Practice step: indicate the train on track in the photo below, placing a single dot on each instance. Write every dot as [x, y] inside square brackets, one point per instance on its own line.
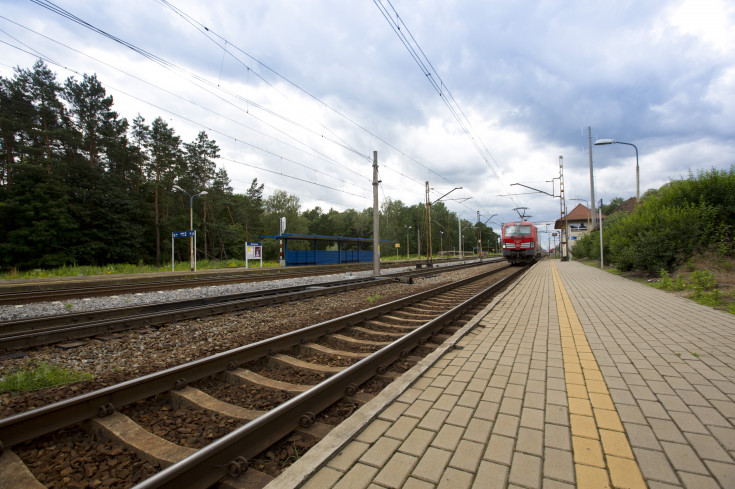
[520, 242]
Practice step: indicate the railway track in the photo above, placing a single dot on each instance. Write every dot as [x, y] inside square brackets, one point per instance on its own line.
[347, 352]
[73, 288]
[39, 331]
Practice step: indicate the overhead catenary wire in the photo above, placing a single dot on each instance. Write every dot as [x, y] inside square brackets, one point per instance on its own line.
[200, 80]
[400, 28]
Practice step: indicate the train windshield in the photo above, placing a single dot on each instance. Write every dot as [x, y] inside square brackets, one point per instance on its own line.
[514, 230]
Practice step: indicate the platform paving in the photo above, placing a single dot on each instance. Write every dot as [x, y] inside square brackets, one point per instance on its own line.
[574, 377]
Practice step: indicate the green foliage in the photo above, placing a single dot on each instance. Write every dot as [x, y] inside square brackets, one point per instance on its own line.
[373, 298]
[81, 186]
[670, 224]
[700, 284]
[32, 378]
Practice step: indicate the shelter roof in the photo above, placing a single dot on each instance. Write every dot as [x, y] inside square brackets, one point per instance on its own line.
[318, 237]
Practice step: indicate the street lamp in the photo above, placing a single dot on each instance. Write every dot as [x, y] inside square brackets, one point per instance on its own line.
[441, 243]
[191, 221]
[601, 142]
[407, 229]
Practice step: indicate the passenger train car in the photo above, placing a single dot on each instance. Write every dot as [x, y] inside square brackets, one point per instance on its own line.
[520, 242]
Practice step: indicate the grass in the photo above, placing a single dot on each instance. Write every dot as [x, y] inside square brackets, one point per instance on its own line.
[31, 378]
[127, 268]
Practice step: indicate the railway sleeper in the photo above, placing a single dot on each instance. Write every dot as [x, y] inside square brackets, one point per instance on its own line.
[313, 348]
[338, 339]
[281, 360]
[120, 429]
[381, 326]
[372, 332]
[414, 315]
[244, 376]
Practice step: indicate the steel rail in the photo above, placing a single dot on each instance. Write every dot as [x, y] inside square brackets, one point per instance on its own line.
[228, 456]
[25, 426]
[46, 330]
[88, 287]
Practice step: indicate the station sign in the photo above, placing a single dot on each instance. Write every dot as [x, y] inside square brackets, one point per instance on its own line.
[253, 251]
[182, 234]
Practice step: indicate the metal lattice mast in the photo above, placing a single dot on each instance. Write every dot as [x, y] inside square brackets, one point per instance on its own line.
[563, 209]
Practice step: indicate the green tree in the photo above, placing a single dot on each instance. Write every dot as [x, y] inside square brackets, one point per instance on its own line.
[165, 152]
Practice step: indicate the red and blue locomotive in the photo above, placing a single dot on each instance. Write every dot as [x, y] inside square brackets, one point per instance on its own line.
[520, 242]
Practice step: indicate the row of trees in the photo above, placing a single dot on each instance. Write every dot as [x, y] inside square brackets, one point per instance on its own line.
[79, 184]
[671, 224]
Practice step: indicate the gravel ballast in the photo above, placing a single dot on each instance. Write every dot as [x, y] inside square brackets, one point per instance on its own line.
[139, 352]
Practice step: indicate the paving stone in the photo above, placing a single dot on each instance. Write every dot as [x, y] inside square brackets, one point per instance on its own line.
[666, 430]
[487, 410]
[373, 431]
[532, 418]
[591, 477]
[402, 428]
[654, 465]
[325, 477]
[688, 422]
[631, 414]
[448, 437]
[397, 470]
[710, 416]
[588, 452]
[556, 436]
[511, 406]
[467, 456]
[345, 458]
[491, 475]
[555, 484]
[470, 399]
[506, 424]
[360, 475]
[558, 464]
[653, 409]
[418, 409]
[624, 472]
[726, 436]
[723, 472]
[500, 449]
[413, 483]
[615, 443]
[478, 430]
[557, 415]
[707, 447]
[380, 452]
[673, 403]
[525, 470]
[433, 420]
[431, 466]
[696, 481]
[393, 411]
[683, 458]
[456, 479]
[417, 442]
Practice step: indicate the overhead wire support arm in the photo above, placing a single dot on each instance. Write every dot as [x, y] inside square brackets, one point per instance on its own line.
[537, 190]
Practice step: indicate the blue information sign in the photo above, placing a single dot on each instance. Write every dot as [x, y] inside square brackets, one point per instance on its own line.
[182, 234]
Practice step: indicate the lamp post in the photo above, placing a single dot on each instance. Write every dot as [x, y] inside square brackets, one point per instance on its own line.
[407, 253]
[441, 243]
[191, 221]
[601, 142]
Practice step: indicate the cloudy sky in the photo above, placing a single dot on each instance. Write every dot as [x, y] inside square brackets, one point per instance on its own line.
[299, 93]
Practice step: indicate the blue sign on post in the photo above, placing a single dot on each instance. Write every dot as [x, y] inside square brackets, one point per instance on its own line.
[183, 234]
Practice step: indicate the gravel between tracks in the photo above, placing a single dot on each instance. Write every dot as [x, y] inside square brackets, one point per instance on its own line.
[139, 352]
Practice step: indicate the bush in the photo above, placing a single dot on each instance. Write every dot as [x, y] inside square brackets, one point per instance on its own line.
[669, 225]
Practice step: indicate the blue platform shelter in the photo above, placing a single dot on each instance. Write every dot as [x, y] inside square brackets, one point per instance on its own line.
[349, 250]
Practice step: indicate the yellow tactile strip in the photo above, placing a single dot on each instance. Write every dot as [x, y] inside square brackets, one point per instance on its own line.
[602, 454]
